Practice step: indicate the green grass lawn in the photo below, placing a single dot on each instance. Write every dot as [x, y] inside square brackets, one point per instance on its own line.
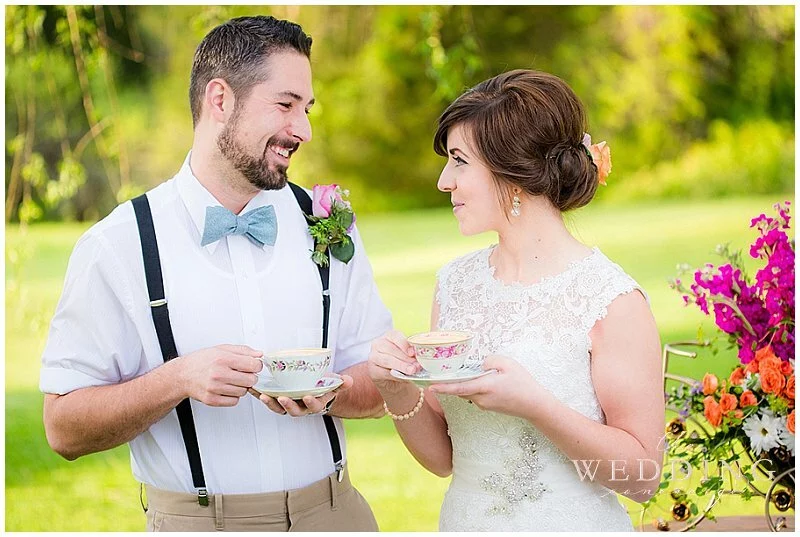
[97, 492]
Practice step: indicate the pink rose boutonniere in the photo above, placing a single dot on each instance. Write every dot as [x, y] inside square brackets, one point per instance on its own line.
[601, 157]
[330, 223]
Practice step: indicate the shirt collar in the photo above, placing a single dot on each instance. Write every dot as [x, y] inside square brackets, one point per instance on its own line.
[196, 198]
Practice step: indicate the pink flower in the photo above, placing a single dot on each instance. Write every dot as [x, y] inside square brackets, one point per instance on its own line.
[323, 198]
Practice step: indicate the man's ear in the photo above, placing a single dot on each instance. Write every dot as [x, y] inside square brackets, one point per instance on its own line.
[219, 100]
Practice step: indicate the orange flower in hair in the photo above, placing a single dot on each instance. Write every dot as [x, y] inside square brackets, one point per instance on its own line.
[600, 154]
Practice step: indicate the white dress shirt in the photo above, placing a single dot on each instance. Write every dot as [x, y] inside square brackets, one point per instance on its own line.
[228, 292]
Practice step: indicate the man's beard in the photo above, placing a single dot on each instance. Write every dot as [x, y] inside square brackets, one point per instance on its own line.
[256, 170]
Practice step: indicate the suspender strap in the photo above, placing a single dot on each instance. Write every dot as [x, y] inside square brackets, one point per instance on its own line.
[304, 201]
[158, 307]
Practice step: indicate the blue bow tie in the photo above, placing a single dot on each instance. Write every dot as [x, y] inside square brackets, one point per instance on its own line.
[258, 225]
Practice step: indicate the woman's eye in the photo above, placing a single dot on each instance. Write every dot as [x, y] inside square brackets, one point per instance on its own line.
[459, 160]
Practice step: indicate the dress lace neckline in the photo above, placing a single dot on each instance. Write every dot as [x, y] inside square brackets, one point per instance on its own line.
[543, 282]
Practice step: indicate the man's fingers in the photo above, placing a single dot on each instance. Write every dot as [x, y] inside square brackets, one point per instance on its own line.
[245, 364]
[347, 383]
[292, 408]
[243, 350]
[271, 403]
[315, 405]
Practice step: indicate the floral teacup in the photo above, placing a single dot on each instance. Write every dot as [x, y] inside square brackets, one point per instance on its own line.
[441, 353]
[297, 369]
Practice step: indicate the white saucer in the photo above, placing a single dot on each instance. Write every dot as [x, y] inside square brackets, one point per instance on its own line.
[424, 378]
[268, 386]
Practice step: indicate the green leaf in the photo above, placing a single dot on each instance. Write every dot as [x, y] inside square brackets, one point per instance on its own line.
[343, 251]
[319, 258]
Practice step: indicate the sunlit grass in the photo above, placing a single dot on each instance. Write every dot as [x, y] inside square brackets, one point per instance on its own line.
[97, 493]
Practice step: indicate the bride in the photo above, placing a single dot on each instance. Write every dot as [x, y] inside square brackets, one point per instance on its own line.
[574, 413]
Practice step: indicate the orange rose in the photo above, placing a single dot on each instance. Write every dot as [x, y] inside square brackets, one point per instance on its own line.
[727, 403]
[764, 352]
[737, 376]
[790, 422]
[751, 367]
[789, 392]
[712, 411]
[786, 368]
[770, 363]
[738, 414]
[772, 381]
[710, 384]
[747, 399]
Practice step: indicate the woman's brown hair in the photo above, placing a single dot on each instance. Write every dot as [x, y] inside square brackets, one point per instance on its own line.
[527, 126]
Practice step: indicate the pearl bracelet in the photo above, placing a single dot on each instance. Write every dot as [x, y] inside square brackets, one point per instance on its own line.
[410, 414]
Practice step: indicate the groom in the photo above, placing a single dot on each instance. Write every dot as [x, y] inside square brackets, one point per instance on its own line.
[117, 362]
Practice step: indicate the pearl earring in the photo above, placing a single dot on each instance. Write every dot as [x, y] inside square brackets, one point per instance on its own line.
[515, 206]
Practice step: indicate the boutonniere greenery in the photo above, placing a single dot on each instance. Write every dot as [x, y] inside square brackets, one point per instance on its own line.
[330, 224]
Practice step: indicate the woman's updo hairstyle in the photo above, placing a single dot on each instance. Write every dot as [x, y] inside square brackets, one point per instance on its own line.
[528, 127]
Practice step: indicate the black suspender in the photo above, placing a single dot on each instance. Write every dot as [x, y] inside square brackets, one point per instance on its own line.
[304, 201]
[158, 305]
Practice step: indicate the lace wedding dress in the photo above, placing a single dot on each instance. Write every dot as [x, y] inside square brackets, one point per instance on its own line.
[507, 476]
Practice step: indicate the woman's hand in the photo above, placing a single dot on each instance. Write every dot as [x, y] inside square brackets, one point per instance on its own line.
[512, 390]
[391, 351]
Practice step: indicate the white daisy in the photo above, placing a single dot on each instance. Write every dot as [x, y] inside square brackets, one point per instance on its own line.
[762, 429]
[785, 436]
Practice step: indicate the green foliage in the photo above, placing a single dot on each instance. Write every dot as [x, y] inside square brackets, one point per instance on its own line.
[681, 93]
[756, 157]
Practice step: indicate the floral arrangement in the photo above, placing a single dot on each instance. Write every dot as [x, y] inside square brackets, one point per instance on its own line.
[330, 224]
[752, 412]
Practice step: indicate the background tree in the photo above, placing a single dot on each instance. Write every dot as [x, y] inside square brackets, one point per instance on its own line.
[97, 98]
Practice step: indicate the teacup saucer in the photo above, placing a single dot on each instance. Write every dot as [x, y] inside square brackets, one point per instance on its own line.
[422, 377]
[268, 386]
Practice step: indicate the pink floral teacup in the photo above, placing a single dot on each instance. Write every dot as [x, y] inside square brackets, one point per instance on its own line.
[441, 353]
[297, 369]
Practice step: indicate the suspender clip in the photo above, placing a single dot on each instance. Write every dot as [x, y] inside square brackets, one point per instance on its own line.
[339, 471]
[157, 303]
[202, 497]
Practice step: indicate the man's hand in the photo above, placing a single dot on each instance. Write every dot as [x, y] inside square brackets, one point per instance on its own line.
[308, 405]
[219, 376]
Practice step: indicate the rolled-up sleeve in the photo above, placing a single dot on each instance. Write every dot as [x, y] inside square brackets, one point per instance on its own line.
[364, 317]
[92, 340]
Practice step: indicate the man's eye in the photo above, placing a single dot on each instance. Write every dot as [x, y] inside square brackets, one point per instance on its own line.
[287, 106]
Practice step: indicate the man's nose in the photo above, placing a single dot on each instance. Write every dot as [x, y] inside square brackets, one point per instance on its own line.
[300, 128]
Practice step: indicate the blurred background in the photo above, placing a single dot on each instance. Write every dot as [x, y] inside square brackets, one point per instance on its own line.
[696, 103]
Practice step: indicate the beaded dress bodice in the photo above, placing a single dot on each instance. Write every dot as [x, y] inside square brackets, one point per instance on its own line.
[507, 476]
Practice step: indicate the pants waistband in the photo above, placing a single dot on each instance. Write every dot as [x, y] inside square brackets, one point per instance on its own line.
[250, 505]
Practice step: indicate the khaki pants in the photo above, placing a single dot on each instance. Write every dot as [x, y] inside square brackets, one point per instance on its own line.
[326, 505]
